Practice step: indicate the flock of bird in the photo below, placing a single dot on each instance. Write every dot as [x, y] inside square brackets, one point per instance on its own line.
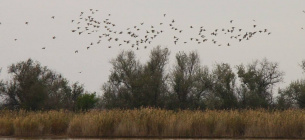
[143, 34]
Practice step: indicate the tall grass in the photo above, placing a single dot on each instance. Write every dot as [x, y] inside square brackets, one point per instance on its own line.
[149, 122]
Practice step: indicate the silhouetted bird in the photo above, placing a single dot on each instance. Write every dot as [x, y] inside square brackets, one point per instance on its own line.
[53, 17]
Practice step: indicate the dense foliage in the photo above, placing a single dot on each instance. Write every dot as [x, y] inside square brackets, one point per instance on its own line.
[186, 85]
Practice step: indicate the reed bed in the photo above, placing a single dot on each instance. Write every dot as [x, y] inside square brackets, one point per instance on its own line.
[148, 122]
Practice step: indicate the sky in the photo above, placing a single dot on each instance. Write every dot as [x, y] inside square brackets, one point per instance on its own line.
[283, 18]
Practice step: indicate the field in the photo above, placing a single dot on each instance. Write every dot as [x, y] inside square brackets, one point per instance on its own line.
[149, 122]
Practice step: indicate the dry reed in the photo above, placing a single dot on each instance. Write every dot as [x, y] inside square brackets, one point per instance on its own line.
[148, 122]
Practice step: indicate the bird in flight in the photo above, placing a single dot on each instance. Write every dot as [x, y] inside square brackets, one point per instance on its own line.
[53, 37]
[26, 23]
[43, 48]
[53, 17]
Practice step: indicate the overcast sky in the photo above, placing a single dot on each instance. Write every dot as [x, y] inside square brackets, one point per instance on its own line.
[283, 18]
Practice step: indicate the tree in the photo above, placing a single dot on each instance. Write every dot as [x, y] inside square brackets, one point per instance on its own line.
[133, 85]
[186, 78]
[123, 89]
[257, 81]
[293, 95]
[86, 101]
[35, 87]
[222, 88]
[155, 86]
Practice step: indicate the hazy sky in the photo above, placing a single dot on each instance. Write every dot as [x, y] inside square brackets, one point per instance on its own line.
[283, 18]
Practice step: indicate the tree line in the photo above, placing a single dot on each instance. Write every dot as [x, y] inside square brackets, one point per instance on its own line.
[185, 85]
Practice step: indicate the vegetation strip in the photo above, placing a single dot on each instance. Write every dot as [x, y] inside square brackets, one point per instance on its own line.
[148, 122]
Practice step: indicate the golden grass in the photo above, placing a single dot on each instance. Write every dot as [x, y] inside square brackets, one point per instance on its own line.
[148, 122]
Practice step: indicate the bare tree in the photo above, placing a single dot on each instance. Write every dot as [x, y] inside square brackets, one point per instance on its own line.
[257, 82]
